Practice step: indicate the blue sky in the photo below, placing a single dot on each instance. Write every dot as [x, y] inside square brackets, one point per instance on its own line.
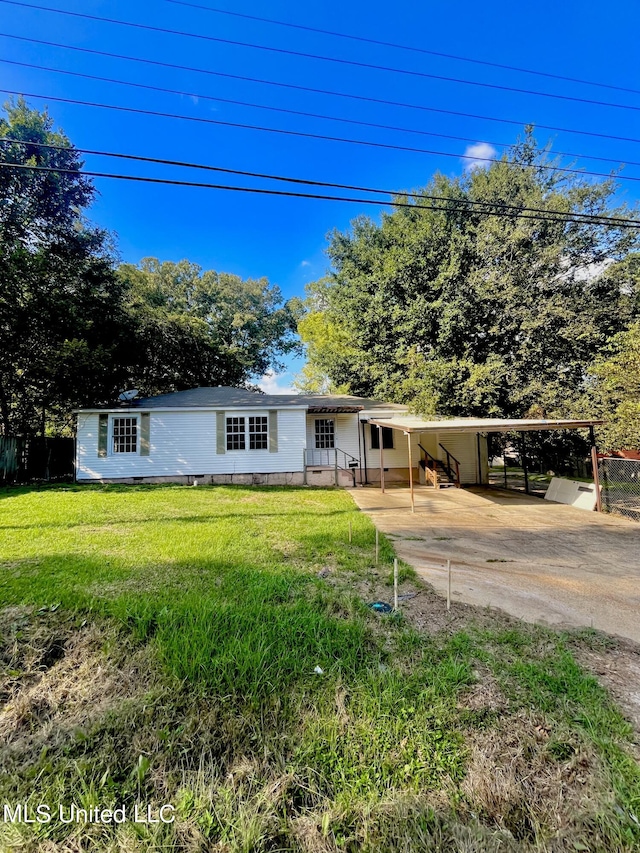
[284, 239]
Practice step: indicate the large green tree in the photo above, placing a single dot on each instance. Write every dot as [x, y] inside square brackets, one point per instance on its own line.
[196, 327]
[61, 308]
[458, 312]
[75, 330]
[613, 391]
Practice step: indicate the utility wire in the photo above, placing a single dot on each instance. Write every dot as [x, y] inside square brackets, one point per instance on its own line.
[563, 219]
[334, 59]
[308, 182]
[306, 135]
[300, 88]
[324, 117]
[407, 47]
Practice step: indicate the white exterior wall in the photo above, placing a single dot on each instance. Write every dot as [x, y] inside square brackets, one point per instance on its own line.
[396, 458]
[464, 446]
[183, 443]
[345, 438]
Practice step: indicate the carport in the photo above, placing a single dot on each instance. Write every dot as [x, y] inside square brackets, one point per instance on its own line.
[409, 425]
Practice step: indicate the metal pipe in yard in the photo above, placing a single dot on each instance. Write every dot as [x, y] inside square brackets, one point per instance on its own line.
[395, 583]
[448, 584]
[524, 463]
[377, 546]
[596, 477]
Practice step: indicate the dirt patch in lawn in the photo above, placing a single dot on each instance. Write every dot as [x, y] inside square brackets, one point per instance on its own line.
[616, 664]
[516, 783]
[55, 677]
[614, 661]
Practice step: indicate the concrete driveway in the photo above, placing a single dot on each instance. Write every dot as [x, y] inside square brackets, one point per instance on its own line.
[538, 560]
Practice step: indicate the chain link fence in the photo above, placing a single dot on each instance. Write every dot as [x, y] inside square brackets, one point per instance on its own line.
[620, 482]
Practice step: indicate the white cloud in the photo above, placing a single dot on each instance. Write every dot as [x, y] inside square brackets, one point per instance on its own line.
[305, 264]
[477, 156]
[271, 383]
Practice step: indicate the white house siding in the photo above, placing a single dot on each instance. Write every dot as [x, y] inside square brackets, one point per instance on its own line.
[183, 443]
[396, 458]
[464, 446]
[345, 438]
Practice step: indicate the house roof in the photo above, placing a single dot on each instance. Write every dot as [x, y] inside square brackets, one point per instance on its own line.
[224, 396]
[413, 423]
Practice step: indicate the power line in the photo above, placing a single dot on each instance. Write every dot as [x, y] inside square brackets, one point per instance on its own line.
[334, 59]
[322, 116]
[309, 182]
[411, 48]
[330, 92]
[287, 193]
[304, 134]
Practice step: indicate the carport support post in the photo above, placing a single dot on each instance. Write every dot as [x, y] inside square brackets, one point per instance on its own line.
[523, 453]
[594, 466]
[381, 460]
[413, 506]
[504, 465]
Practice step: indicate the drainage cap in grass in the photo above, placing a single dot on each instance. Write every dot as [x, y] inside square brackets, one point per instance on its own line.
[380, 607]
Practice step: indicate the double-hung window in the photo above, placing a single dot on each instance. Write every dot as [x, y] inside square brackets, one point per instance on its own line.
[235, 434]
[124, 435]
[325, 434]
[258, 433]
[248, 433]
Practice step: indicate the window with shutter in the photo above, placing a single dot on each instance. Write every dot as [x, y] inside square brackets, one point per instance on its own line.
[235, 434]
[124, 435]
[258, 433]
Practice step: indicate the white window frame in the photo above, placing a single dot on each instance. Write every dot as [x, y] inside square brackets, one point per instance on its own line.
[246, 433]
[324, 433]
[117, 453]
[263, 433]
[240, 432]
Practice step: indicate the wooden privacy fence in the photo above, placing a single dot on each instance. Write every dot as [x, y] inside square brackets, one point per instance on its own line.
[24, 460]
[8, 458]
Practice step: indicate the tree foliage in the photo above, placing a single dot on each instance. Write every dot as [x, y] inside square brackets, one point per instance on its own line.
[461, 313]
[75, 330]
[196, 327]
[60, 305]
[613, 391]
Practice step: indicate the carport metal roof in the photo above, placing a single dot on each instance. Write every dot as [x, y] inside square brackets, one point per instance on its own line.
[413, 423]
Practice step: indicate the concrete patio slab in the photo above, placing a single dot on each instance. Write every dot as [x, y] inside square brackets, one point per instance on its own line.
[537, 560]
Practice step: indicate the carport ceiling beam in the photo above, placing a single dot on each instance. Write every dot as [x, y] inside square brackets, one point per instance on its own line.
[482, 425]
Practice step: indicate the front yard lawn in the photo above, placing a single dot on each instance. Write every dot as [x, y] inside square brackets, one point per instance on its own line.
[210, 648]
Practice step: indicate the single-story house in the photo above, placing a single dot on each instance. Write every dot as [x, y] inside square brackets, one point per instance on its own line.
[232, 435]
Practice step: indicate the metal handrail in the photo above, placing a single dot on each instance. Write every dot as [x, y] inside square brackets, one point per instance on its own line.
[450, 456]
[432, 471]
[427, 454]
[319, 457]
[346, 466]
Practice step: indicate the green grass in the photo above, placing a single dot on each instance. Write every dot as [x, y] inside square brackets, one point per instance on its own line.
[211, 617]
